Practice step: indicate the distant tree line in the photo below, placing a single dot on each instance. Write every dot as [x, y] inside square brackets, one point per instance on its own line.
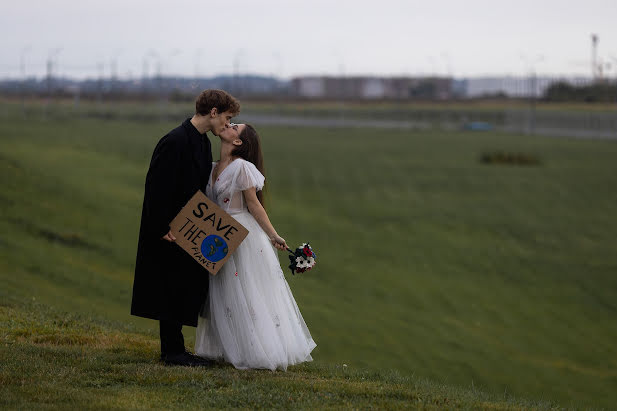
[601, 92]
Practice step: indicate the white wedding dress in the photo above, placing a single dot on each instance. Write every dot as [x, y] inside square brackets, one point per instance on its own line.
[250, 318]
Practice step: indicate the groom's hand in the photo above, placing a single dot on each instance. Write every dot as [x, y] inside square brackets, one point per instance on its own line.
[169, 237]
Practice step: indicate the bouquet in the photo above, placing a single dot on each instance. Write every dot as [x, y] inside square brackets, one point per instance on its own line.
[302, 259]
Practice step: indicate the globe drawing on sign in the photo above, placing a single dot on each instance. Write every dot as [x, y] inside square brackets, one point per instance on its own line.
[214, 248]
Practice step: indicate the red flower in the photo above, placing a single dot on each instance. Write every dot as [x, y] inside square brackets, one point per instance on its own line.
[307, 251]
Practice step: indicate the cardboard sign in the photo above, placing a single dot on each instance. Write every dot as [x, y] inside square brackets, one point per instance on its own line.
[207, 232]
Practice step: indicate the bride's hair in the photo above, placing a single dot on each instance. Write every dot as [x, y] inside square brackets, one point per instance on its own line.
[250, 150]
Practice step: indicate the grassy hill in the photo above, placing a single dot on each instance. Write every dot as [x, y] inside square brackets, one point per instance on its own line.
[61, 360]
[431, 263]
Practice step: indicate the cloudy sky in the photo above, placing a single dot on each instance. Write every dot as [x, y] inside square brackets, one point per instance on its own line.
[287, 37]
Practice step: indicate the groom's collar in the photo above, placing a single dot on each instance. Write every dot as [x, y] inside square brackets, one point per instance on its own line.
[190, 128]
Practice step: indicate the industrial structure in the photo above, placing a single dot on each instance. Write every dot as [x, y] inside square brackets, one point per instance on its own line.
[374, 88]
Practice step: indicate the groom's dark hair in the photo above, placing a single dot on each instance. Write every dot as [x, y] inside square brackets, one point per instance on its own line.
[222, 100]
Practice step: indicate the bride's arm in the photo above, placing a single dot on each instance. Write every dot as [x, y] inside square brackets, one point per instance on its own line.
[258, 212]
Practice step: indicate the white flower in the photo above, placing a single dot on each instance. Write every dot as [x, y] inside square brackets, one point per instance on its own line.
[301, 262]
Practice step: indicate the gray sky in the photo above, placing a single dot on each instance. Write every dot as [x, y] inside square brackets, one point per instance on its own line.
[287, 38]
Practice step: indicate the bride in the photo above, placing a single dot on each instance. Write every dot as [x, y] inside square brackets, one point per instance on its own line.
[250, 318]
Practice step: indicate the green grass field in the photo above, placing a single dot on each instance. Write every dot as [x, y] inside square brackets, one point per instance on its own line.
[71, 361]
[501, 278]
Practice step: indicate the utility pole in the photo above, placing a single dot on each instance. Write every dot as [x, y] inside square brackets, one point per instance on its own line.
[113, 67]
[99, 87]
[24, 79]
[533, 89]
[237, 87]
[197, 60]
[596, 70]
[614, 66]
[49, 77]
[144, 75]
[147, 80]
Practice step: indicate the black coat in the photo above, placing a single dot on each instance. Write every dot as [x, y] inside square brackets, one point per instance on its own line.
[169, 283]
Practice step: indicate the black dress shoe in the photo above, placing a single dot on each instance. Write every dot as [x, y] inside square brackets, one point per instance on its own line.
[185, 359]
[204, 362]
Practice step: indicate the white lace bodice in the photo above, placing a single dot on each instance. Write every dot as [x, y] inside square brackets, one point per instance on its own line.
[226, 191]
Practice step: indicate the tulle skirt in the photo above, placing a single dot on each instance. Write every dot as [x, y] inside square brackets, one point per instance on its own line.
[250, 318]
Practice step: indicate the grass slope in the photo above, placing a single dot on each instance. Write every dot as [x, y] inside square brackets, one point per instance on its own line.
[430, 262]
[52, 359]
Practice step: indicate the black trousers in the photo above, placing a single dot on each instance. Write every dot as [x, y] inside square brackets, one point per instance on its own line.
[172, 340]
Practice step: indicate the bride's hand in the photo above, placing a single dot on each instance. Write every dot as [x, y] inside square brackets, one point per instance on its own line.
[278, 242]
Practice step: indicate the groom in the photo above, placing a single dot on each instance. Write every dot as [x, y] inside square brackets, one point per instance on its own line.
[169, 285]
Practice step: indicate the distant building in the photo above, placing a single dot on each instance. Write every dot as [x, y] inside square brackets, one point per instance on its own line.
[373, 88]
[515, 86]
